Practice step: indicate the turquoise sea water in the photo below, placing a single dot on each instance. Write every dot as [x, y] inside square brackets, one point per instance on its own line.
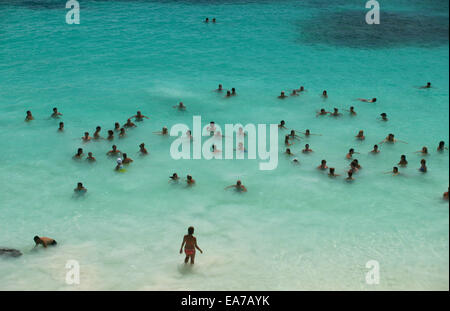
[295, 229]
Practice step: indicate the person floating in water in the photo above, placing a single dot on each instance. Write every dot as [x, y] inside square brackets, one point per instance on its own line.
[129, 124]
[86, 137]
[80, 189]
[375, 149]
[214, 20]
[233, 91]
[44, 241]
[163, 131]
[294, 93]
[301, 89]
[110, 135]
[325, 94]
[307, 149]
[138, 117]
[384, 117]
[394, 172]
[228, 94]
[373, 100]
[61, 127]
[349, 176]
[174, 178]
[282, 95]
[90, 157]
[286, 141]
[403, 162]
[119, 166]
[423, 151]
[323, 165]
[190, 244]
[29, 116]
[238, 186]
[391, 139]
[142, 149]
[97, 132]
[117, 127]
[288, 152]
[190, 181]
[352, 111]
[114, 151]
[180, 106]
[441, 147]
[219, 88]
[350, 153]
[55, 113]
[292, 135]
[122, 133]
[126, 159]
[282, 125]
[360, 135]
[308, 133]
[428, 86]
[423, 166]
[332, 173]
[322, 112]
[79, 154]
[206, 20]
[336, 113]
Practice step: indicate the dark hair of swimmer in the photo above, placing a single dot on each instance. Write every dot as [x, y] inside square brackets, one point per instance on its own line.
[331, 170]
[142, 145]
[238, 183]
[351, 150]
[324, 92]
[324, 161]
[228, 93]
[374, 99]
[80, 150]
[110, 132]
[174, 176]
[441, 144]
[116, 125]
[395, 169]
[428, 84]
[383, 114]
[282, 122]
[189, 177]
[86, 133]
[191, 230]
[233, 90]
[54, 109]
[36, 239]
[80, 185]
[350, 174]
[124, 155]
[423, 161]
[206, 20]
[98, 128]
[114, 147]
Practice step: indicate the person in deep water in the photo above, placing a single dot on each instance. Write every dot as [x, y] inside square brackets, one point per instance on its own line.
[238, 187]
[44, 241]
[80, 189]
[190, 244]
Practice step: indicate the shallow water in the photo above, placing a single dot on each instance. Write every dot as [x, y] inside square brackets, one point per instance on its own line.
[295, 229]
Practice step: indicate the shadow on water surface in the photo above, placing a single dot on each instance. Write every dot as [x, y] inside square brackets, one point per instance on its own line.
[350, 29]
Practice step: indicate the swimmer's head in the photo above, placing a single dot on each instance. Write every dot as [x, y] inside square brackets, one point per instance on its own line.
[350, 174]
[375, 147]
[332, 169]
[116, 125]
[124, 156]
[307, 146]
[86, 134]
[324, 162]
[189, 177]
[374, 99]
[423, 162]
[114, 147]
[307, 132]
[428, 84]
[110, 132]
[28, 113]
[55, 109]
[352, 108]
[98, 128]
[142, 145]
[80, 150]
[324, 93]
[336, 110]
[191, 230]
[138, 112]
[238, 183]
[425, 150]
[80, 185]
[441, 144]
[37, 239]
[282, 122]
[395, 169]
[351, 151]
[403, 157]
[90, 154]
